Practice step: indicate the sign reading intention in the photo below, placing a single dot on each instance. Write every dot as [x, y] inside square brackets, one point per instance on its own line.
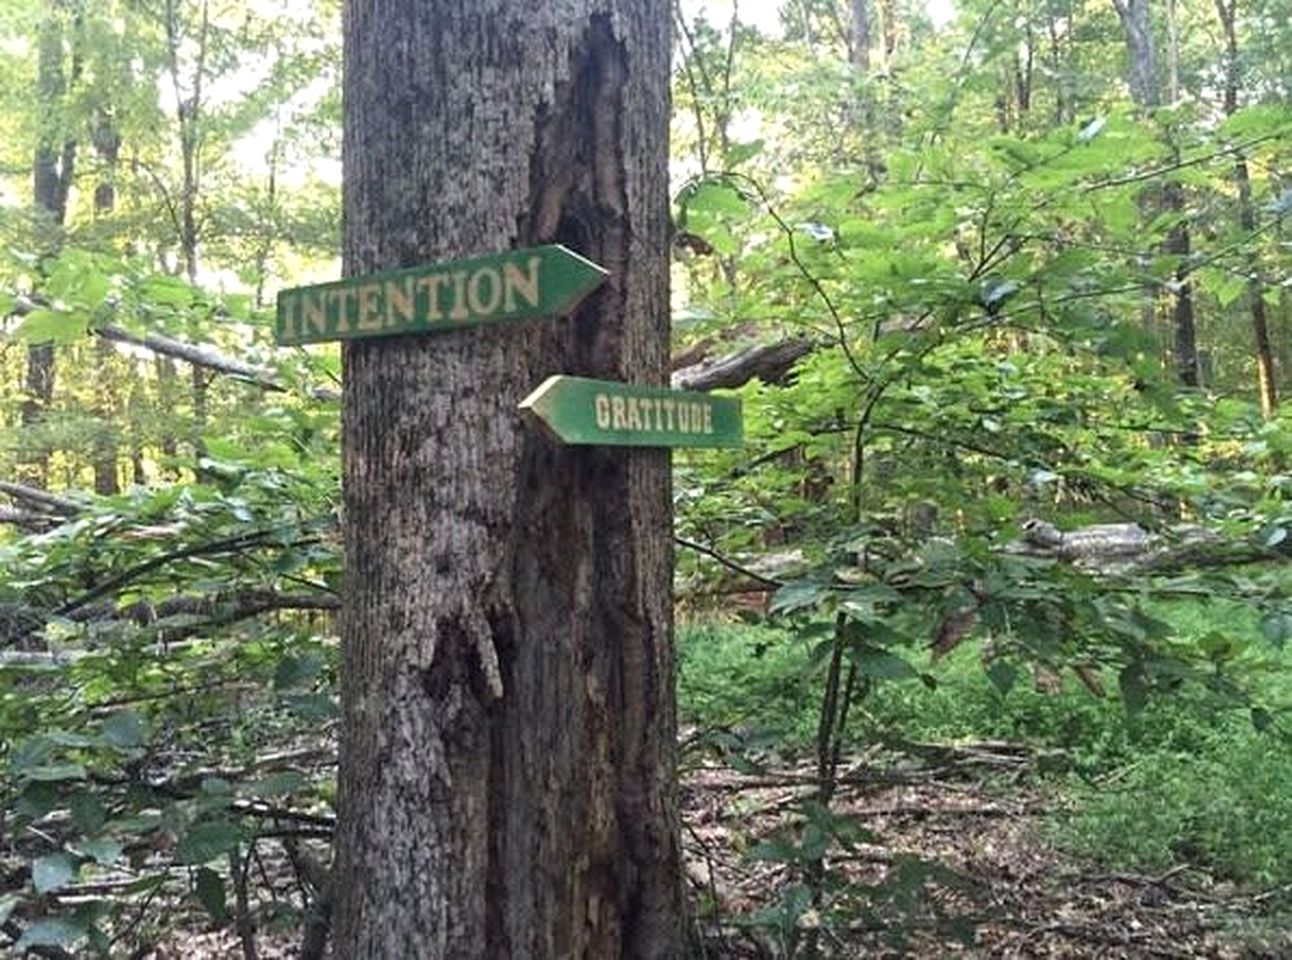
[517, 285]
[580, 411]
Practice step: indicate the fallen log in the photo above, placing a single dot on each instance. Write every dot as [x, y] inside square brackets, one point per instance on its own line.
[27, 519]
[1121, 547]
[769, 362]
[40, 500]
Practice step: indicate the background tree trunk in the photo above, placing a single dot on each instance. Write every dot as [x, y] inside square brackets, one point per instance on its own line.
[1141, 53]
[859, 35]
[1266, 390]
[52, 165]
[507, 784]
[106, 139]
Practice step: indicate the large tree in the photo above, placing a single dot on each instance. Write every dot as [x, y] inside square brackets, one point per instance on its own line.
[507, 782]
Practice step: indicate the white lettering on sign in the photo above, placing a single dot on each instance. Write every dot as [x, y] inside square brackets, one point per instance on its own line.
[651, 414]
[525, 284]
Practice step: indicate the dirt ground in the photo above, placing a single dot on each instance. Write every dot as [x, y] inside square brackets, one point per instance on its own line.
[1005, 892]
[1009, 893]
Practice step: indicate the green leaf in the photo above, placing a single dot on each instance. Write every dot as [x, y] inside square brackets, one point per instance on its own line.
[104, 852]
[278, 784]
[1134, 688]
[123, 730]
[206, 841]
[1262, 719]
[716, 197]
[1276, 628]
[55, 772]
[295, 671]
[87, 811]
[776, 850]
[37, 799]
[50, 326]
[1218, 646]
[883, 664]
[1002, 675]
[52, 871]
[798, 595]
[209, 890]
[738, 153]
[167, 291]
[312, 706]
[50, 932]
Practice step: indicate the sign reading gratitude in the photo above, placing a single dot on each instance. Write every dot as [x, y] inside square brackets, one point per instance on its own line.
[519, 284]
[579, 411]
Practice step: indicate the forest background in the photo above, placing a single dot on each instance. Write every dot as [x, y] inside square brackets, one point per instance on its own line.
[1004, 289]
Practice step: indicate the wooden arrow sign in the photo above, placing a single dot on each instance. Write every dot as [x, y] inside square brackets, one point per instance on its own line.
[574, 410]
[538, 282]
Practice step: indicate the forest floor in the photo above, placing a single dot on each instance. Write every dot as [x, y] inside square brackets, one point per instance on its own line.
[998, 890]
[1008, 892]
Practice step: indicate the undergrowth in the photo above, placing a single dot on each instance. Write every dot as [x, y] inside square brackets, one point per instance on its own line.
[1188, 779]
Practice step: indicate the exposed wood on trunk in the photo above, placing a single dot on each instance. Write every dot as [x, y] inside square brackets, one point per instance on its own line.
[507, 783]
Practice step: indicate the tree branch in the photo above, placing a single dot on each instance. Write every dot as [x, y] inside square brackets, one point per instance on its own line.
[42, 500]
[769, 362]
[190, 353]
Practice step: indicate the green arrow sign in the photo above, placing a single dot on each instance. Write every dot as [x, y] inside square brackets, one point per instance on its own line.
[579, 411]
[539, 282]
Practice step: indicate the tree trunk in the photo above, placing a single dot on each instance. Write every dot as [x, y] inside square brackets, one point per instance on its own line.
[1266, 391]
[107, 144]
[507, 782]
[859, 36]
[1178, 244]
[53, 162]
[1142, 80]
[1141, 55]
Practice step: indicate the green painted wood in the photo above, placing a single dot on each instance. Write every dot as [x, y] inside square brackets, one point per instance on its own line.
[575, 410]
[516, 285]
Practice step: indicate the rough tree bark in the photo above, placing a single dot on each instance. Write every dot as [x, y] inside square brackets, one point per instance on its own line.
[507, 784]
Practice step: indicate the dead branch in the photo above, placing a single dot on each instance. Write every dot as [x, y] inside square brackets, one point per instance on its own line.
[41, 500]
[26, 519]
[769, 362]
[214, 610]
[191, 353]
[1121, 547]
